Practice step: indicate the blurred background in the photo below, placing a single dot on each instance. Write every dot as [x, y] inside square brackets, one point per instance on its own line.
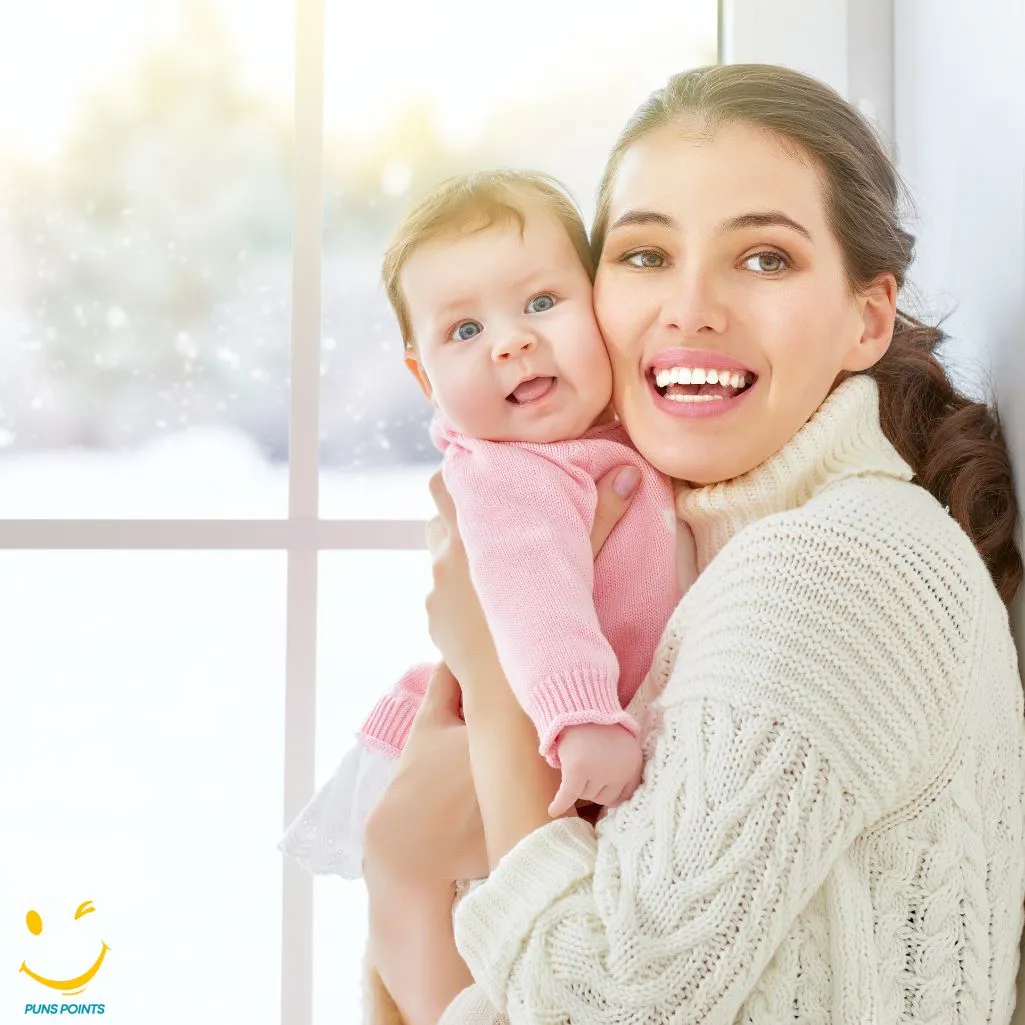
[145, 221]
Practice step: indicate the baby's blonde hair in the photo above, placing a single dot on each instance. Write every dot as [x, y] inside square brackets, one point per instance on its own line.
[476, 202]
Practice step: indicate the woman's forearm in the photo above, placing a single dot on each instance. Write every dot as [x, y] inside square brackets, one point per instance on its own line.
[413, 949]
[514, 784]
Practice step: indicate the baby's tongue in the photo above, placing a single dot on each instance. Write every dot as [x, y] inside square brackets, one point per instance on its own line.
[533, 389]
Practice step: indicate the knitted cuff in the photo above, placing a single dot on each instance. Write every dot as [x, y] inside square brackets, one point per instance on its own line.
[584, 694]
[472, 1007]
[492, 922]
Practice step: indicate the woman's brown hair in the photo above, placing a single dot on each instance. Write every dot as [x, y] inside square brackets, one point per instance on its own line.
[954, 445]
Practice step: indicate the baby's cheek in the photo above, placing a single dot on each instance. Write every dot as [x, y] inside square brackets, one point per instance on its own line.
[614, 320]
[472, 406]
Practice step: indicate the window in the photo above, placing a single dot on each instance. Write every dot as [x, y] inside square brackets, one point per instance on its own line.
[208, 442]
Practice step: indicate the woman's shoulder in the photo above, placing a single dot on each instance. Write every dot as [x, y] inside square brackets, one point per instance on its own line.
[876, 524]
[907, 525]
[880, 549]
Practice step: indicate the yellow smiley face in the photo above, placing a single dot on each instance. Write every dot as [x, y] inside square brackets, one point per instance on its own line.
[70, 986]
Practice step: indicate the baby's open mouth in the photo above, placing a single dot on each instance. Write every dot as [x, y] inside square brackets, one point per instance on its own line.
[531, 390]
[687, 384]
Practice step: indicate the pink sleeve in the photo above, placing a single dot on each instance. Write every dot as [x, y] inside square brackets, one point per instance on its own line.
[526, 524]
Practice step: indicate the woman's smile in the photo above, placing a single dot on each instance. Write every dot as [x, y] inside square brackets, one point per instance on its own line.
[698, 383]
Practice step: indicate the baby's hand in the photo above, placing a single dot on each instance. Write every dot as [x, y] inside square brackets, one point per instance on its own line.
[599, 763]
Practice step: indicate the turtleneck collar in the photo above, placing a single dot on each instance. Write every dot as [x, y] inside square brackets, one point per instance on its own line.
[842, 439]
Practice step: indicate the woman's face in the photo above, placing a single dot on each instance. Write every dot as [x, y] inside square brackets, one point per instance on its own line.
[719, 268]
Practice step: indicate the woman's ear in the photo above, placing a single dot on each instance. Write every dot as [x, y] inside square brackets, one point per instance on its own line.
[878, 305]
[417, 370]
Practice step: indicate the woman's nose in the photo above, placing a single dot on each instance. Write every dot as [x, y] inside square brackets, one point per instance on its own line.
[513, 344]
[693, 303]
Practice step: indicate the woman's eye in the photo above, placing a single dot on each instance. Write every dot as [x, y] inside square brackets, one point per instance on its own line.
[541, 303]
[766, 263]
[466, 330]
[646, 258]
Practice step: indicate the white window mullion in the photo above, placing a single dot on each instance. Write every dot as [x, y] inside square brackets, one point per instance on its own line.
[303, 505]
[219, 535]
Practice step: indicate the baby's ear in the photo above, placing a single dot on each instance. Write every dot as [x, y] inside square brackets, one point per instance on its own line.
[416, 369]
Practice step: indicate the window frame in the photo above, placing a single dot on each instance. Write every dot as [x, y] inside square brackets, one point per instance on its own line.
[827, 39]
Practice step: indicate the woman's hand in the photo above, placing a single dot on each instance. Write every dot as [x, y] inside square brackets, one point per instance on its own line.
[426, 825]
[457, 624]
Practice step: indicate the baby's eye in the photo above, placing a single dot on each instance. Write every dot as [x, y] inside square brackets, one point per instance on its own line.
[466, 330]
[647, 258]
[767, 263]
[541, 303]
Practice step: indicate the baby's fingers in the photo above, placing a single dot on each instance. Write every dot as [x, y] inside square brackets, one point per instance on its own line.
[569, 790]
[625, 794]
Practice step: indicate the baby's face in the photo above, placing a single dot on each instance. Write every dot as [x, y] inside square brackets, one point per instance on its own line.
[505, 332]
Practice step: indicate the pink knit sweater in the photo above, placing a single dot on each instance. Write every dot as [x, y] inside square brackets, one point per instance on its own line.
[575, 635]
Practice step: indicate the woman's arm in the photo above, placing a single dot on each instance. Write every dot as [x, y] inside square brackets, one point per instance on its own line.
[512, 805]
[412, 950]
[424, 831]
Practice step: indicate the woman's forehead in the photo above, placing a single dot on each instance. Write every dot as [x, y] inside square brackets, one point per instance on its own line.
[698, 175]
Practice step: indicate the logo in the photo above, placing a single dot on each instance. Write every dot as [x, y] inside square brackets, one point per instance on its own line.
[74, 983]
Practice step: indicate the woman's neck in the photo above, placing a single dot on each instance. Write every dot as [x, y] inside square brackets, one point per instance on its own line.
[842, 439]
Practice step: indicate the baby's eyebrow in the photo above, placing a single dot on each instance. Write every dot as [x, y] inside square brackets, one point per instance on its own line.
[537, 277]
[448, 308]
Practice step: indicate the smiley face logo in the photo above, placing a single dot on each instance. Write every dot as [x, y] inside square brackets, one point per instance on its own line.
[34, 922]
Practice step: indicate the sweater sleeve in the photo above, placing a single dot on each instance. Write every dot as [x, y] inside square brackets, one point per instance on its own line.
[526, 525]
[812, 679]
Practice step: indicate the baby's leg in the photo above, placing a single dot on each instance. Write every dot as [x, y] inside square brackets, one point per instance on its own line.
[327, 837]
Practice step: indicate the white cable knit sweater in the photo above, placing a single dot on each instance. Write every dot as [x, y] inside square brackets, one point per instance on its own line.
[831, 823]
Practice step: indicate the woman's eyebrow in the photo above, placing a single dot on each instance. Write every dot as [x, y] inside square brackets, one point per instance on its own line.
[755, 219]
[764, 219]
[644, 217]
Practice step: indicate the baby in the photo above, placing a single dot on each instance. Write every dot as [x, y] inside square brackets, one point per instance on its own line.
[490, 277]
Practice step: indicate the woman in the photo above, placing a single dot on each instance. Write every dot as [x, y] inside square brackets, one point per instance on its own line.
[832, 821]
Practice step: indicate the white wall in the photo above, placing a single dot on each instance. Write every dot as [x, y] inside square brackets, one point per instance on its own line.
[959, 117]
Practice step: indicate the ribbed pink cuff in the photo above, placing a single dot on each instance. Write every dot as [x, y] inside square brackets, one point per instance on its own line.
[584, 694]
[388, 726]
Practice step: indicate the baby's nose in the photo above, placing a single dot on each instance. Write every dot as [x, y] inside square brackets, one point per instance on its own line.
[515, 343]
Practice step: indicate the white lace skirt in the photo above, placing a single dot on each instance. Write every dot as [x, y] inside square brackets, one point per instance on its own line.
[327, 837]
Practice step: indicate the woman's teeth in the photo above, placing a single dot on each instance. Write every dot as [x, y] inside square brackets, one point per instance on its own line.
[695, 398]
[699, 375]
